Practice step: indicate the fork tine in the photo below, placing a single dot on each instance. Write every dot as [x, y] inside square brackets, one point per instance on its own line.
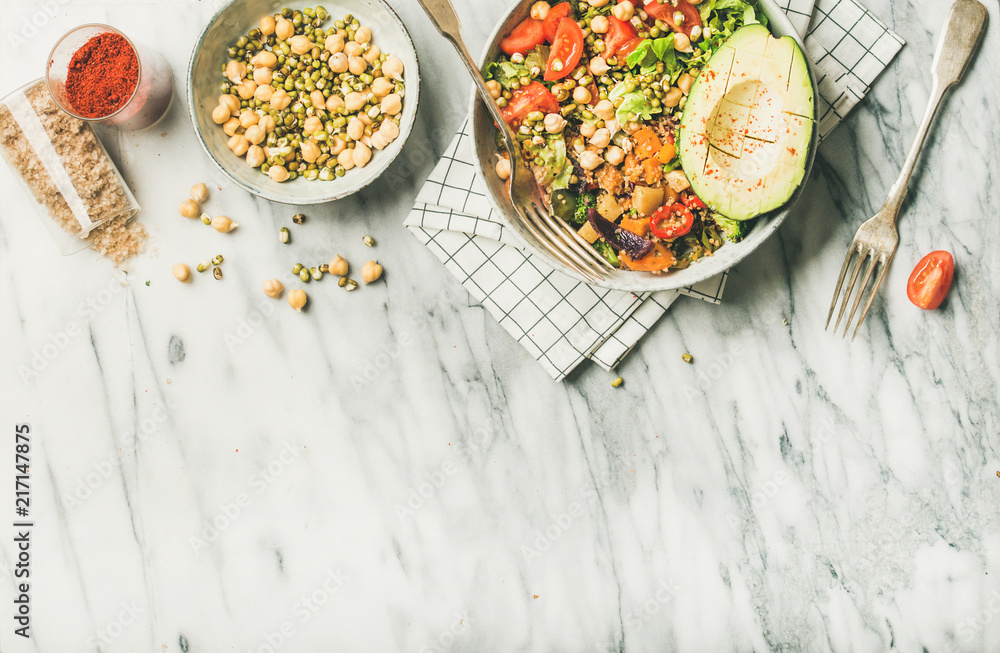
[561, 243]
[572, 238]
[861, 290]
[862, 254]
[868, 304]
[546, 242]
[840, 282]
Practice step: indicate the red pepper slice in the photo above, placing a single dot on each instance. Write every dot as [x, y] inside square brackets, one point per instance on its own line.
[666, 11]
[671, 221]
[566, 50]
[551, 23]
[692, 201]
[523, 38]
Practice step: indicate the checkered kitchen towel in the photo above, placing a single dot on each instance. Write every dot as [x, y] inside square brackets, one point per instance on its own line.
[561, 321]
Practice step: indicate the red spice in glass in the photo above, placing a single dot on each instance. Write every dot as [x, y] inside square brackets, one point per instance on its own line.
[102, 76]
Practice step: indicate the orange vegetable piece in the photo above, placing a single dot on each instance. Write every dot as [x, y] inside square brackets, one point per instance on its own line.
[647, 144]
[653, 170]
[659, 258]
[666, 153]
[638, 226]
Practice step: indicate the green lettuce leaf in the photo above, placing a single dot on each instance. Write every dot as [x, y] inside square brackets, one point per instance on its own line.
[552, 157]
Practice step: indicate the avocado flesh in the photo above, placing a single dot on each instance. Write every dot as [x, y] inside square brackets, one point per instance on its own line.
[748, 123]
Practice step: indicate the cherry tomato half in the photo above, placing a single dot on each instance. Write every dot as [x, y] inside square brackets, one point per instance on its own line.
[619, 33]
[671, 221]
[523, 38]
[930, 280]
[566, 50]
[533, 97]
[551, 23]
[666, 11]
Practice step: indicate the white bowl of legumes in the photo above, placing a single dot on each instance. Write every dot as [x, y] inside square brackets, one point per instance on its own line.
[674, 136]
[300, 103]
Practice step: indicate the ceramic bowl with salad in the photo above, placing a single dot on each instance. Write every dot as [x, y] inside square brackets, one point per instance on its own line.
[673, 136]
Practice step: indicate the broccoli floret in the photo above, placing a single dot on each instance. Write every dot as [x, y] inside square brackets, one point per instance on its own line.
[584, 202]
[734, 230]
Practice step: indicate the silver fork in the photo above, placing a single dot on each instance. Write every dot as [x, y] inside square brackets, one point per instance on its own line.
[553, 234]
[877, 239]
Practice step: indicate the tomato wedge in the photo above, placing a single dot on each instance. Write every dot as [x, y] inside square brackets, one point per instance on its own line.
[931, 279]
[619, 33]
[666, 11]
[671, 221]
[567, 48]
[551, 23]
[533, 97]
[523, 38]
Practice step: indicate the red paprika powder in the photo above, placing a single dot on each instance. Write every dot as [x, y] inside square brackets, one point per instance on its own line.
[102, 76]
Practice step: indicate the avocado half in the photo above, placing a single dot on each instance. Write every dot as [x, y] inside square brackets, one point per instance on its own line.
[747, 125]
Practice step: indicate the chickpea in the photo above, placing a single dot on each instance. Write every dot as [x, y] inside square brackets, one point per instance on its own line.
[334, 102]
[230, 101]
[263, 92]
[554, 123]
[239, 144]
[284, 29]
[355, 129]
[378, 141]
[631, 127]
[334, 43]
[248, 118]
[317, 99]
[356, 65]
[262, 76]
[255, 134]
[503, 169]
[310, 151]
[682, 43]
[312, 125]
[605, 110]
[346, 158]
[587, 130]
[300, 44]
[624, 10]
[354, 101]
[339, 266]
[231, 126]
[264, 59]
[392, 67]
[267, 123]
[365, 120]
[362, 154]
[540, 10]
[370, 272]
[614, 155]
[353, 49]
[223, 224]
[373, 54]
[597, 3]
[672, 97]
[280, 99]
[190, 209]
[389, 130]
[247, 89]
[590, 160]
[599, 24]
[220, 114]
[337, 146]
[494, 87]
[235, 71]
[598, 66]
[684, 82]
[338, 63]
[297, 298]
[267, 25]
[363, 34]
[199, 193]
[391, 104]
[182, 272]
[255, 156]
[601, 138]
[581, 95]
[277, 173]
[382, 87]
[273, 288]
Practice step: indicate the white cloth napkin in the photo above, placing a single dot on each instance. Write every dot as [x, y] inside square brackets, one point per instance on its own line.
[561, 321]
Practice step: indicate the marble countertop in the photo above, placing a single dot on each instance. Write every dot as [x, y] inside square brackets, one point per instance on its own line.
[390, 472]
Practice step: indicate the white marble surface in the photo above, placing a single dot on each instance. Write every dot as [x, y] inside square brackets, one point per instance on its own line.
[788, 492]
